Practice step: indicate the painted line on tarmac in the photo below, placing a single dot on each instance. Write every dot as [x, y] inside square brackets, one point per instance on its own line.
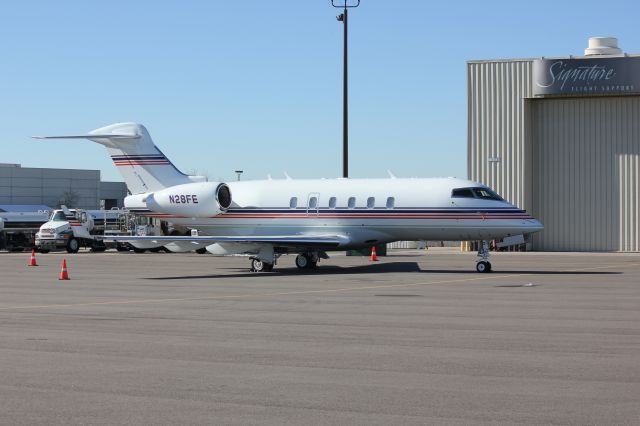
[296, 292]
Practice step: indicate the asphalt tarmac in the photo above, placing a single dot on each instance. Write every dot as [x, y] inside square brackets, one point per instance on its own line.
[417, 338]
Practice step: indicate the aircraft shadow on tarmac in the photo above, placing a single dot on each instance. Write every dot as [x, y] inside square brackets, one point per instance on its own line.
[374, 268]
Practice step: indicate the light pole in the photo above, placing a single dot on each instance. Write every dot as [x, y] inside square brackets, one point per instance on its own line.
[239, 173]
[343, 17]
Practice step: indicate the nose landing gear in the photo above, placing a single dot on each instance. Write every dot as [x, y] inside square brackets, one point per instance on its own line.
[483, 264]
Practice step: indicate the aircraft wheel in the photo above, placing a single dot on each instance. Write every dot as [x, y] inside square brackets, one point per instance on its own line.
[306, 261]
[43, 251]
[139, 250]
[258, 265]
[202, 250]
[73, 245]
[302, 261]
[483, 266]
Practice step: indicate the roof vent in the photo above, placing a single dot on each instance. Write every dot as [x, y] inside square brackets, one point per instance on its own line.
[602, 46]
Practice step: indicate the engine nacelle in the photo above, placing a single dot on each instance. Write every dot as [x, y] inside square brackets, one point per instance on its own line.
[201, 199]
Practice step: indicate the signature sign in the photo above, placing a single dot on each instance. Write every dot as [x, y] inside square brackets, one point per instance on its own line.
[586, 75]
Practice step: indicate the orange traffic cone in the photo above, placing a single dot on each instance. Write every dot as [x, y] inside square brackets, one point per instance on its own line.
[63, 273]
[33, 262]
[374, 257]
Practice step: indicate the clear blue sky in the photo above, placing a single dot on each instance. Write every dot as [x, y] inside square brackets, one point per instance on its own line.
[256, 85]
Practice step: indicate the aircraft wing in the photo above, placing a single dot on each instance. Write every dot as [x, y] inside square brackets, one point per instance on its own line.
[325, 241]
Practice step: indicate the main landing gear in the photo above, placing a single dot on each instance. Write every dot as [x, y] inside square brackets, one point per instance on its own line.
[483, 264]
[307, 260]
[258, 265]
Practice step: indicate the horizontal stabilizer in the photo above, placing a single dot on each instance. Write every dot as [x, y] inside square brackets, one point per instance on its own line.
[89, 136]
[142, 165]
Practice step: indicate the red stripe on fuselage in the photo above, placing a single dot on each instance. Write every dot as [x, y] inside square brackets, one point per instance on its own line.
[350, 216]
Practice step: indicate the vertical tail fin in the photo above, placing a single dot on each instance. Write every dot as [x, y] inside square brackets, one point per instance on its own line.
[142, 165]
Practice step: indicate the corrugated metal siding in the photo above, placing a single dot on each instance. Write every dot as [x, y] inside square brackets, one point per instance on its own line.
[496, 125]
[573, 162]
[585, 173]
[403, 245]
[629, 166]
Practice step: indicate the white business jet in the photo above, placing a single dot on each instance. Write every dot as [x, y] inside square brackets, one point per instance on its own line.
[265, 219]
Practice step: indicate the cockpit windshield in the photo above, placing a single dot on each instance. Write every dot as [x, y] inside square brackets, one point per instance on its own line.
[483, 193]
[486, 194]
[462, 193]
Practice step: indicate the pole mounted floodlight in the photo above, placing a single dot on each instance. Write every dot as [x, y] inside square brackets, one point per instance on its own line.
[345, 5]
[239, 173]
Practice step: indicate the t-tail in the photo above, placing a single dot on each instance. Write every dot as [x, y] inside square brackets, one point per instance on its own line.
[142, 165]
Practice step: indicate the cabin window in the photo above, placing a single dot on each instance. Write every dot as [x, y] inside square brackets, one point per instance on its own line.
[371, 202]
[332, 202]
[351, 203]
[313, 202]
[486, 194]
[293, 202]
[462, 193]
[391, 202]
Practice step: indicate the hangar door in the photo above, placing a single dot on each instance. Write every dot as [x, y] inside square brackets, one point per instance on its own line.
[585, 173]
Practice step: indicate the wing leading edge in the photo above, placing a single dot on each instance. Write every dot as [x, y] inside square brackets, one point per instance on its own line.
[277, 240]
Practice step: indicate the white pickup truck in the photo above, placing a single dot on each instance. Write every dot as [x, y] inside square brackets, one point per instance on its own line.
[71, 229]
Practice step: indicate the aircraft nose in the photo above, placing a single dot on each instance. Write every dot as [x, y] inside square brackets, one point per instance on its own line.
[533, 225]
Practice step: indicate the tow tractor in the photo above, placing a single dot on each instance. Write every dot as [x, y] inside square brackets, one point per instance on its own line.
[71, 229]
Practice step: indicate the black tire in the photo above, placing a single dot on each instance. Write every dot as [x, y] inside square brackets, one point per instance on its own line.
[302, 261]
[202, 250]
[258, 265]
[483, 266]
[120, 247]
[73, 245]
[139, 250]
[306, 261]
[155, 250]
[43, 251]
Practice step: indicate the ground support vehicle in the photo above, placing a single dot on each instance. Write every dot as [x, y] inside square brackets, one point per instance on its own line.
[18, 229]
[71, 229]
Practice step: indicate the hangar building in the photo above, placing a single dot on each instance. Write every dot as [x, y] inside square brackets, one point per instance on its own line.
[560, 137]
[52, 187]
